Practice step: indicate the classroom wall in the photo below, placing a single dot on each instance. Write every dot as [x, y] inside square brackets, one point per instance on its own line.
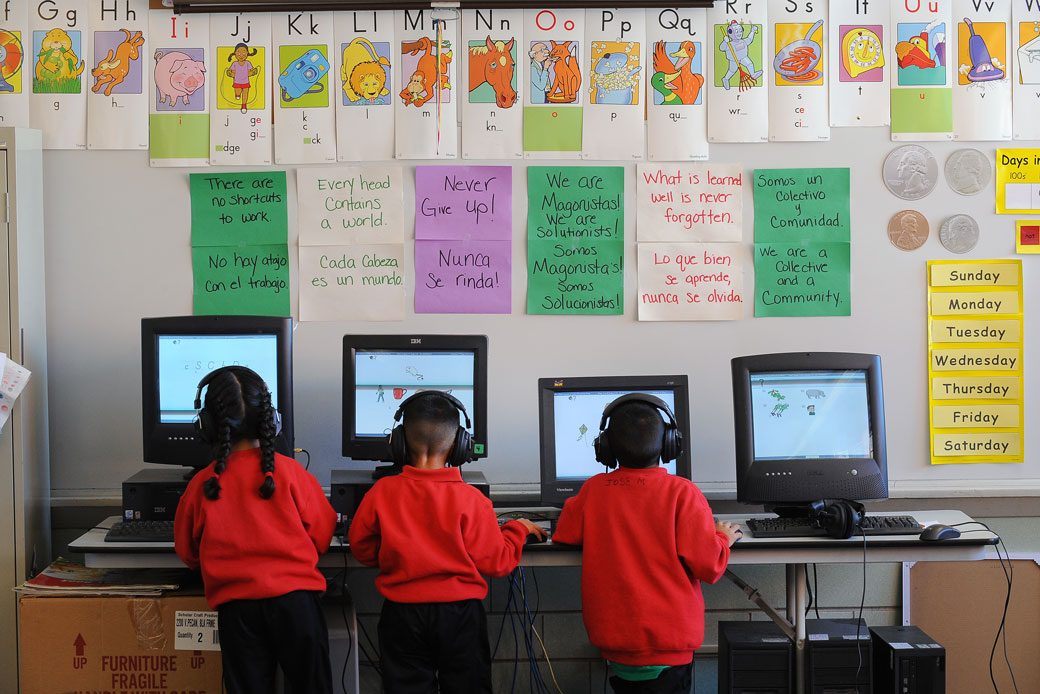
[118, 249]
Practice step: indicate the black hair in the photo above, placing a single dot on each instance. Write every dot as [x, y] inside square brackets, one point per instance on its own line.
[239, 404]
[636, 432]
[430, 420]
[241, 45]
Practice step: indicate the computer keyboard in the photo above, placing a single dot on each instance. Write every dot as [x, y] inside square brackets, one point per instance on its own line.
[800, 527]
[141, 531]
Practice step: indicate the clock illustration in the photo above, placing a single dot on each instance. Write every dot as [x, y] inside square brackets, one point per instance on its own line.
[861, 51]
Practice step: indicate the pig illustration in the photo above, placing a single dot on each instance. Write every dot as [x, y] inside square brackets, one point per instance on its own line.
[814, 394]
[177, 75]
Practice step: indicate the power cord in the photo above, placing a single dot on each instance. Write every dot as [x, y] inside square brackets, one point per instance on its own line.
[816, 582]
[862, 601]
[307, 465]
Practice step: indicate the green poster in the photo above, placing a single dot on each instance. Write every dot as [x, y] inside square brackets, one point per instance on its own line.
[233, 209]
[792, 205]
[576, 240]
[802, 279]
[241, 280]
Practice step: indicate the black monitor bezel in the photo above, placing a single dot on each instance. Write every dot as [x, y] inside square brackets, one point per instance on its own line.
[375, 449]
[555, 492]
[799, 481]
[177, 444]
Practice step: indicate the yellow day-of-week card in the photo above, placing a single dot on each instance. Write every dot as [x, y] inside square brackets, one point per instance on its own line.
[999, 447]
[973, 303]
[976, 416]
[975, 388]
[951, 330]
[966, 359]
[975, 274]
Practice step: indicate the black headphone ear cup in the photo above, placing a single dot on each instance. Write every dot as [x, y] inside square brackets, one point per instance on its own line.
[671, 445]
[845, 520]
[398, 446]
[601, 445]
[204, 427]
[461, 449]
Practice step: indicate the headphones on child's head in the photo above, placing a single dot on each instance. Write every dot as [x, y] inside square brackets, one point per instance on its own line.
[205, 425]
[461, 450]
[671, 444]
[839, 517]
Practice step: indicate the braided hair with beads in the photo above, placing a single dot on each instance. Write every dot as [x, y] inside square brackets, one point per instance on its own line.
[238, 406]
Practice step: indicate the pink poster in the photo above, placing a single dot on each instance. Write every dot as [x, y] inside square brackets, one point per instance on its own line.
[453, 276]
[463, 202]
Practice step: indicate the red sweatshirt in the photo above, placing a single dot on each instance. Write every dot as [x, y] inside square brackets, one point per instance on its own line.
[249, 547]
[432, 536]
[648, 538]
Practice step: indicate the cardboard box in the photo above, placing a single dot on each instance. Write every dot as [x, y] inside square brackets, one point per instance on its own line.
[115, 645]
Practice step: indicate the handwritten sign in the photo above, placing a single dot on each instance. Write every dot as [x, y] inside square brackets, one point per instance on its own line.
[352, 282]
[350, 204]
[692, 202]
[802, 279]
[463, 202]
[690, 281]
[238, 209]
[241, 280]
[792, 205]
[576, 240]
[1018, 181]
[463, 276]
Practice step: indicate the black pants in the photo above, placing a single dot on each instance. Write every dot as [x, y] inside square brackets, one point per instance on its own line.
[674, 680]
[435, 646]
[256, 636]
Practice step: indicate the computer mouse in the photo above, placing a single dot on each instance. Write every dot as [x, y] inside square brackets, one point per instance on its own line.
[938, 531]
[534, 539]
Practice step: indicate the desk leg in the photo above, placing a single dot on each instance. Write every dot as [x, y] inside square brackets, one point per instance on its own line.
[797, 587]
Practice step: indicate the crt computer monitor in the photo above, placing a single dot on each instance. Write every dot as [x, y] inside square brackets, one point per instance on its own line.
[178, 351]
[380, 371]
[809, 426]
[569, 414]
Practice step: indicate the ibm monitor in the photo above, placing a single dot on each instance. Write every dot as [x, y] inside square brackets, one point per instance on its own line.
[569, 413]
[380, 371]
[809, 426]
[176, 352]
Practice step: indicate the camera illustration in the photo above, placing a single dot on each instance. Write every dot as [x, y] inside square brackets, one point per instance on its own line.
[304, 75]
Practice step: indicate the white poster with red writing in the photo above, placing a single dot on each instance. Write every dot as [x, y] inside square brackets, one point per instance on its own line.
[15, 64]
[60, 45]
[427, 101]
[689, 202]
[303, 89]
[798, 73]
[691, 281]
[367, 62]
[1025, 47]
[492, 57]
[738, 52]
[555, 82]
[676, 114]
[860, 46]
[120, 84]
[613, 122]
[982, 80]
[240, 130]
[178, 104]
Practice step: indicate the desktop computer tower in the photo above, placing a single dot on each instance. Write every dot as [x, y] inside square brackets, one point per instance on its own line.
[755, 658]
[153, 493]
[837, 657]
[348, 486]
[907, 661]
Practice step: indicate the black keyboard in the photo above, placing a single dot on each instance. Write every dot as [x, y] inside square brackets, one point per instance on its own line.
[800, 527]
[141, 531]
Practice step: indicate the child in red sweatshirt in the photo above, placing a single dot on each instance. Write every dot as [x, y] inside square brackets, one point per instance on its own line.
[648, 538]
[432, 536]
[255, 522]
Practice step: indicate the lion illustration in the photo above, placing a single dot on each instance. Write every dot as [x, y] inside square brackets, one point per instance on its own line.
[363, 73]
[56, 60]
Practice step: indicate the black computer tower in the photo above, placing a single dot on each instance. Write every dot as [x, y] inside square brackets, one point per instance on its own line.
[153, 493]
[838, 657]
[907, 661]
[348, 486]
[755, 658]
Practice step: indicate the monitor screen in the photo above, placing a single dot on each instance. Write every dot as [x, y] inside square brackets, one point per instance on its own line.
[809, 426]
[178, 351]
[570, 410]
[381, 371]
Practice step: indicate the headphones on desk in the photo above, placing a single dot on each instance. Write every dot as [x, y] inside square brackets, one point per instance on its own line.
[205, 424]
[839, 517]
[671, 443]
[461, 449]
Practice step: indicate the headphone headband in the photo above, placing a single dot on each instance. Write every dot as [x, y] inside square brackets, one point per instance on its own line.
[636, 397]
[462, 449]
[671, 442]
[204, 424]
[447, 396]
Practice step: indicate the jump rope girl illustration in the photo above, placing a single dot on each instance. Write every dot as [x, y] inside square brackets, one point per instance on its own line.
[240, 71]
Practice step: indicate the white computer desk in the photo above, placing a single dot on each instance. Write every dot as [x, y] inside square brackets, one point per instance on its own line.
[793, 553]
